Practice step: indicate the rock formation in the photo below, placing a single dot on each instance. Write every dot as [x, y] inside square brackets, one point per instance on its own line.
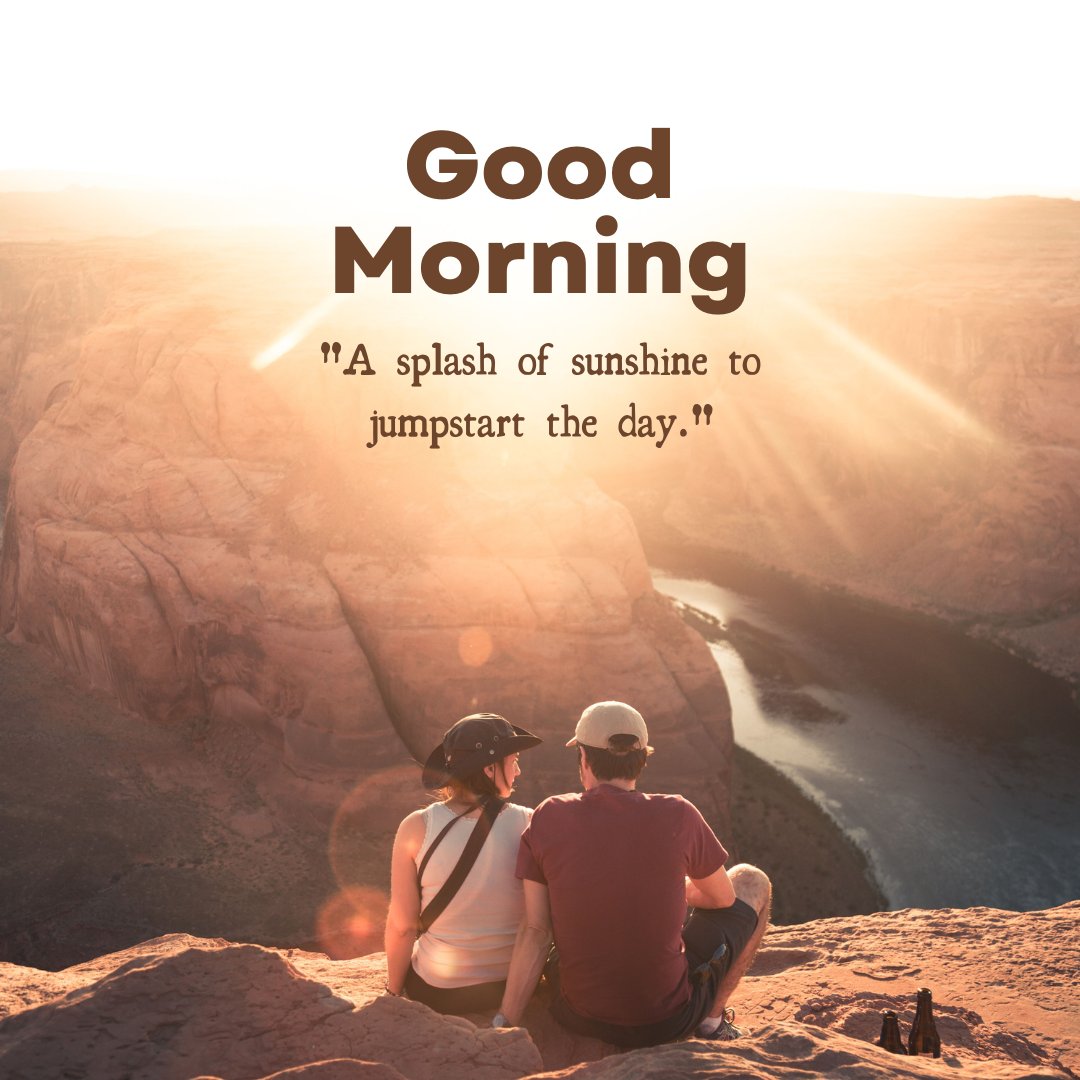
[208, 544]
[1006, 1004]
[200, 540]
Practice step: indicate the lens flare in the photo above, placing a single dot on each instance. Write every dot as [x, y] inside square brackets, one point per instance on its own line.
[475, 646]
[363, 828]
[351, 923]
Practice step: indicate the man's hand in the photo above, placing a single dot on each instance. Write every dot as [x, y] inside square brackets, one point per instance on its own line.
[530, 953]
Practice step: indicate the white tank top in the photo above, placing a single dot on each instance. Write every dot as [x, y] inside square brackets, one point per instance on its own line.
[471, 941]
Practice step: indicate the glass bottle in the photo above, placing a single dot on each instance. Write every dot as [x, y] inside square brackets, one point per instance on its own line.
[890, 1033]
[923, 1038]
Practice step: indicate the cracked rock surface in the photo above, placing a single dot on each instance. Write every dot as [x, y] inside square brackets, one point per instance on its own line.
[1006, 1003]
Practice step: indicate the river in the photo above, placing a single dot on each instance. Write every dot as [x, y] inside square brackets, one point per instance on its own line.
[951, 764]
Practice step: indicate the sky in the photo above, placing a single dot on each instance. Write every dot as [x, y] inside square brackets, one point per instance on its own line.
[944, 98]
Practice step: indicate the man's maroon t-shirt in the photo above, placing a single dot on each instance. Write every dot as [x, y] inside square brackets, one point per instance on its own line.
[615, 863]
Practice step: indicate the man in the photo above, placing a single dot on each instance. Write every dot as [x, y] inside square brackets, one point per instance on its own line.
[611, 872]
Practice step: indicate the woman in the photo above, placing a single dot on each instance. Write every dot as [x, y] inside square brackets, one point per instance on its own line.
[459, 964]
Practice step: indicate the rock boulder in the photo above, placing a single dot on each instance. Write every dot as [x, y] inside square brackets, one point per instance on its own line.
[1005, 993]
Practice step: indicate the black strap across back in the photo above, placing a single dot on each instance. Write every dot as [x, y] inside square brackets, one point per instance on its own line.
[468, 857]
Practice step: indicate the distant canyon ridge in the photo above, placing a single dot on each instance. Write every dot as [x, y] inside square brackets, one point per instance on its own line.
[913, 437]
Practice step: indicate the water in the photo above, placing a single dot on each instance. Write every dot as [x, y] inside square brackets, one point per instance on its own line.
[950, 763]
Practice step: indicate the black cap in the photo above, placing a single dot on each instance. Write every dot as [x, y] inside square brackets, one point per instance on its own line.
[472, 743]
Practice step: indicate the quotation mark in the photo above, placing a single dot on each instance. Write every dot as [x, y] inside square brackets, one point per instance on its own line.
[359, 358]
[703, 410]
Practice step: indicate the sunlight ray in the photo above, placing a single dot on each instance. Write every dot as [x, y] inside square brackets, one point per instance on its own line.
[296, 333]
[914, 388]
[804, 482]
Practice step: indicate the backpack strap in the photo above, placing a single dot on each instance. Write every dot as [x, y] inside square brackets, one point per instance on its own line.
[431, 850]
[468, 857]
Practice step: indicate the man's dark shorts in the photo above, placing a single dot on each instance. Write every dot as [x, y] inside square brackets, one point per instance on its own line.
[713, 939]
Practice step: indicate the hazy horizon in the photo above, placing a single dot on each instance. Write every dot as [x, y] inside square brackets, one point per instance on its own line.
[961, 100]
[17, 181]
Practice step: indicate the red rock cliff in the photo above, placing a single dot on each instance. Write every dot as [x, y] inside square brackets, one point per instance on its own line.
[204, 543]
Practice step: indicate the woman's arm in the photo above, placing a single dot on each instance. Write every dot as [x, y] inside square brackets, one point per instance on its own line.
[403, 918]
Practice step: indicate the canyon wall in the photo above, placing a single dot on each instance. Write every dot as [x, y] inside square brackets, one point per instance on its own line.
[202, 541]
[913, 436]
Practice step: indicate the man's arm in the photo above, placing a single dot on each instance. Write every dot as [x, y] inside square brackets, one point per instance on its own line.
[530, 952]
[714, 891]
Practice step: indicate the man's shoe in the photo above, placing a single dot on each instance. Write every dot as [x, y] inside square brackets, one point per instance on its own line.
[726, 1031]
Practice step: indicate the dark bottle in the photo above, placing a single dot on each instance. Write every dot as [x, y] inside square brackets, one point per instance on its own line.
[924, 1038]
[890, 1033]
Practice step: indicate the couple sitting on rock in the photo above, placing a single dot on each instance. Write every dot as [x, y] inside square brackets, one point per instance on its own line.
[651, 933]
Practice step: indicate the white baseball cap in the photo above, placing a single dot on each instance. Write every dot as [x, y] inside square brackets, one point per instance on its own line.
[601, 721]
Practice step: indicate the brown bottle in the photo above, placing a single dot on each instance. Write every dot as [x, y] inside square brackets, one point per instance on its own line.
[890, 1033]
[923, 1038]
